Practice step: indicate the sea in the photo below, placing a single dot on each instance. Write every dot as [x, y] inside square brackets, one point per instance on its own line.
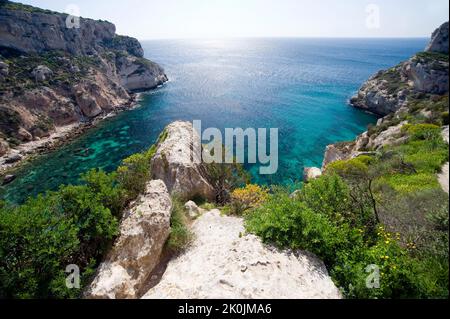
[299, 86]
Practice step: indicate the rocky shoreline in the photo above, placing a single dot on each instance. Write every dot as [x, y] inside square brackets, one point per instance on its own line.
[54, 89]
[26, 152]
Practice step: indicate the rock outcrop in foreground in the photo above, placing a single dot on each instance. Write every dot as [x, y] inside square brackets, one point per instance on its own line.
[178, 162]
[223, 262]
[52, 75]
[143, 232]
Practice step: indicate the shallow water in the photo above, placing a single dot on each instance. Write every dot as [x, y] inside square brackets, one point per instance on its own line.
[300, 86]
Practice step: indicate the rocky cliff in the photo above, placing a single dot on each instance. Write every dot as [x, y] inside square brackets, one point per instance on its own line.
[415, 90]
[425, 73]
[52, 75]
[144, 230]
[178, 162]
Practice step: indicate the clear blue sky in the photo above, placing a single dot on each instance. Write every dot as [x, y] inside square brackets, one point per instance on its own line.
[156, 19]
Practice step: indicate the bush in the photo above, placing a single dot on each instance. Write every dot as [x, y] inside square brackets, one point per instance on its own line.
[40, 238]
[134, 174]
[251, 196]
[348, 251]
[224, 178]
[74, 225]
[180, 235]
[291, 223]
[329, 196]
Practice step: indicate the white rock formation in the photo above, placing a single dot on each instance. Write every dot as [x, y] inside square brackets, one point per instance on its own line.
[178, 162]
[223, 262]
[143, 232]
[42, 73]
[193, 210]
[439, 40]
[311, 173]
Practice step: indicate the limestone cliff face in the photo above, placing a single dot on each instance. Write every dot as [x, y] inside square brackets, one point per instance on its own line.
[425, 73]
[439, 40]
[144, 230]
[178, 162]
[51, 75]
[416, 87]
[36, 31]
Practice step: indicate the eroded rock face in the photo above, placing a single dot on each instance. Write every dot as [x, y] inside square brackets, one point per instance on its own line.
[94, 71]
[426, 76]
[337, 152]
[37, 31]
[178, 162]
[439, 40]
[223, 262]
[388, 91]
[143, 232]
[42, 73]
[137, 74]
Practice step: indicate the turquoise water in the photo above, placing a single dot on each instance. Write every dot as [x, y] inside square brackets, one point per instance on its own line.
[300, 86]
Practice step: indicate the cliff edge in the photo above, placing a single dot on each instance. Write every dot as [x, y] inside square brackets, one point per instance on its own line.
[415, 91]
[53, 74]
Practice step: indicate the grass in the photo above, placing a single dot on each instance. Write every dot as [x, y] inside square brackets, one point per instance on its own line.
[180, 235]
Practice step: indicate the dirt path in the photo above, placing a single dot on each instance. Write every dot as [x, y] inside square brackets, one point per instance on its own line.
[223, 262]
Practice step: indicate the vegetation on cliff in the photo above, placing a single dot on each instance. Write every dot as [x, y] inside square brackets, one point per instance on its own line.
[386, 210]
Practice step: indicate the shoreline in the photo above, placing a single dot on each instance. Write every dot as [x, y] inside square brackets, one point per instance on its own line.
[62, 135]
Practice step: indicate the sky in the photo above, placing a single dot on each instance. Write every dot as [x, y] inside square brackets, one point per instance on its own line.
[169, 19]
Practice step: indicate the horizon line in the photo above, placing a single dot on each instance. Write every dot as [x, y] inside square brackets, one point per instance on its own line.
[286, 37]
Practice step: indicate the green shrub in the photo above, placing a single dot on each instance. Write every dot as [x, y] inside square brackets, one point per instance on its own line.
[291, 223]
[180, 235]
[327, 195]
[74, 225]
[40, 238]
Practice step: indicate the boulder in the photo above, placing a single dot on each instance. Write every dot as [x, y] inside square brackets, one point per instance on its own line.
[144, 230]
[8, 179]
[42, 73]
[23, 135]
[439, 40]
[13, 159]
[88, 105]
[311, 173]
[193, 210]
[177, 162]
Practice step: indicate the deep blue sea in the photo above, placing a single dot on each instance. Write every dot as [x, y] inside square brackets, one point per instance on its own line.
[300, 86]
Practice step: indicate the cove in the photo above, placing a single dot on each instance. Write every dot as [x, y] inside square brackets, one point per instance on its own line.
[300, 86]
